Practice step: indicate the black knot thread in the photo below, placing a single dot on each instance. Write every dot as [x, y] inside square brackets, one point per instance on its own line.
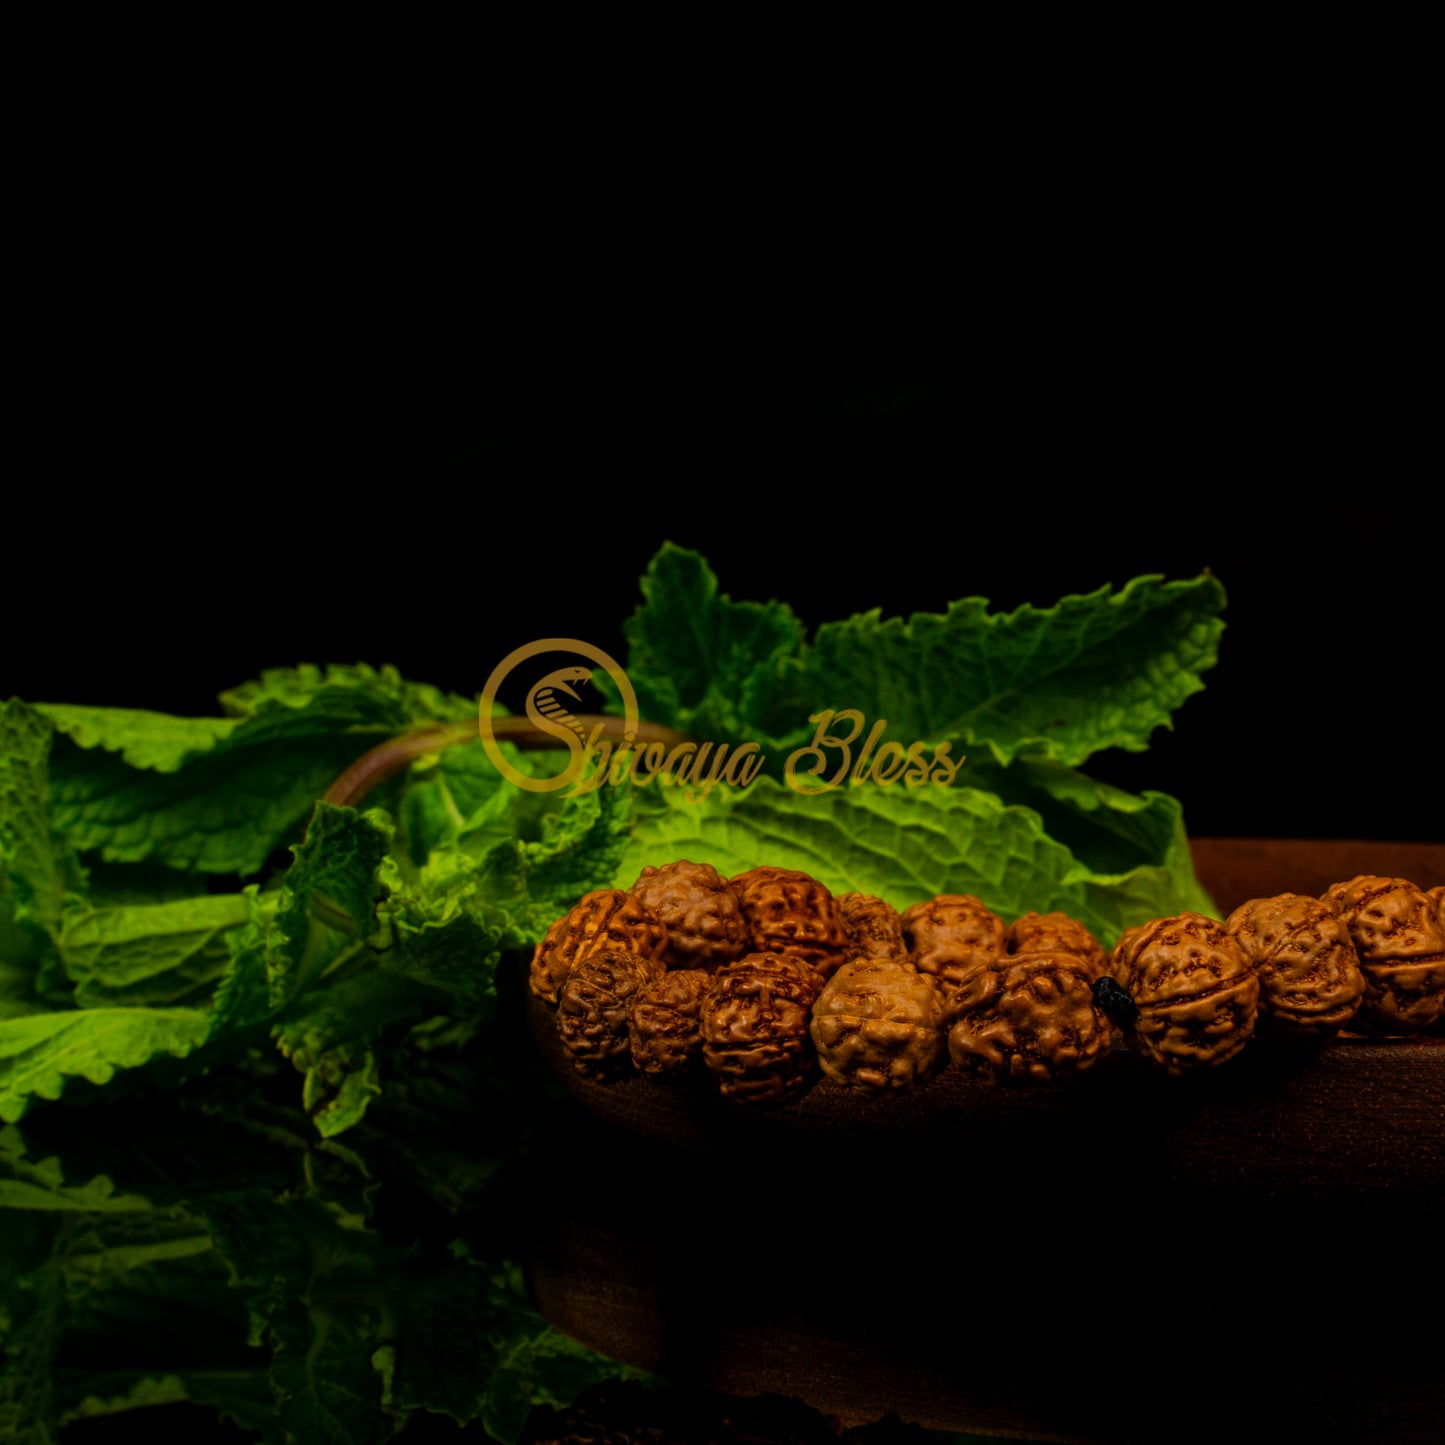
[1112, 999]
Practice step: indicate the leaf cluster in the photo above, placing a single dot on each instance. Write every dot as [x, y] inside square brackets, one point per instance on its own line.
[263, 1119]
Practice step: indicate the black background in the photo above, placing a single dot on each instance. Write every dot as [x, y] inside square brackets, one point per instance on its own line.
[436, 515]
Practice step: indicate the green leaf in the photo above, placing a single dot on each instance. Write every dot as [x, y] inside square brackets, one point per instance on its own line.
[28, 1185]
[240, 1395]
[1091, 672]
[338, 1088]
[328, 1036]
[289, 942]
[225, 812]
[451, 925]
[580, 845]
[334, 866]
[29, 1334]
[702, 662]
[452, 919]
[1106, 828]
[18, 985]
[457, 795]
[243, 995]
[326, 1390]
[168, 1313]
[472, 1345]
[217, 798]
[318, 1301]
[449, 1122]
[113, 1397]
[901, 846]
[102, 1247]
[39, 1052]
[535, 1364]
[1026, 695]
[908, 846]
[160, 954]
[328, 1032]
[359, 689]
[444, 1360]
[153, 740]
[37, 869]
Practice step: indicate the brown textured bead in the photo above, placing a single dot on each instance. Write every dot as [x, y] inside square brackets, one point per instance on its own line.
[1046, 931]
[604, 918]
[1027, 1018]
[878, 1025]
[872, 927]
[592, 1008]
[951, 936]
[788, 911]
[1196, 991]
[700, 910]
[1051, 931]
[1438, 895]
[754, 1024]
[663, 1029]
[1310, 982]
[1400, 938]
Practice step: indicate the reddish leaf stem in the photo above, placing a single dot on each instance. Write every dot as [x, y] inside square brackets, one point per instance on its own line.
[387, 759]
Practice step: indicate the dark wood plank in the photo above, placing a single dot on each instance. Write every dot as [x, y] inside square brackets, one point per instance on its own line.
[1234, 870]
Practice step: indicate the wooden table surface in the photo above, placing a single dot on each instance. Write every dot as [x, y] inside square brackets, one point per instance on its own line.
[1123, 1256]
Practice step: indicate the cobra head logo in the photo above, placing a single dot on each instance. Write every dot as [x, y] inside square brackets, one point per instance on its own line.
[547, 711]
[549, 706]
